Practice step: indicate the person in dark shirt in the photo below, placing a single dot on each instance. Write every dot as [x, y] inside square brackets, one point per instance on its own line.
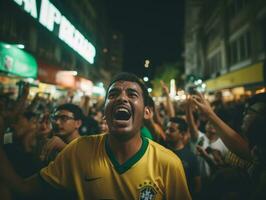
[20, 151]
[176, 131]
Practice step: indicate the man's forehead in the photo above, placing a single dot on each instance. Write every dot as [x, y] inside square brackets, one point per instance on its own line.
[125, 85]
[172, 124]
[65, 112]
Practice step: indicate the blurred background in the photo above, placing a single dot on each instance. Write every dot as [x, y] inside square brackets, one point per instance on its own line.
[73, 48]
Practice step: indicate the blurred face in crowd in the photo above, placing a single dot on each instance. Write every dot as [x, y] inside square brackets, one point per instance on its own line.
[253, 127]
[103, 126]
[251, 114]
[64, 123]
[173, 133]
[210, 130]
[45, 126]
[22, 125]
[124, 109]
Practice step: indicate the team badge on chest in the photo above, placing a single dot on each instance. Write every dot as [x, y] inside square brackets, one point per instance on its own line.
[147, 192]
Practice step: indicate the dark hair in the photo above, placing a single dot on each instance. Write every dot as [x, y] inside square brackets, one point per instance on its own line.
[182, 124]
[195, 115]
[150, 102]
[124, 76]
[258, 98]
[29, 115]
[76, 110]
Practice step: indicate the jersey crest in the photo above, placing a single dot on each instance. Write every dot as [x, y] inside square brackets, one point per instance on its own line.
[147, 193]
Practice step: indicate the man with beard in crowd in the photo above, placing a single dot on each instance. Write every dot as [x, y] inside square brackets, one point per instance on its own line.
[117, 165]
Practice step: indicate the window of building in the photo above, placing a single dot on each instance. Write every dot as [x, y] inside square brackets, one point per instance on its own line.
[262, 47]
[214, 63]
[240, 48]
[236, 6]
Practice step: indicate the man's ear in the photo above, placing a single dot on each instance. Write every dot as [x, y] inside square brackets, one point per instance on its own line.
[78, 124]
[147, 112]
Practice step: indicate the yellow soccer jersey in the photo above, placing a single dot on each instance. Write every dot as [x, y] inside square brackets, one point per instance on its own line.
[88, 166]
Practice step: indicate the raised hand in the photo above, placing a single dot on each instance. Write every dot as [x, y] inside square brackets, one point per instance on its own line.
[201, 103]
[55, 144]
[165, 88]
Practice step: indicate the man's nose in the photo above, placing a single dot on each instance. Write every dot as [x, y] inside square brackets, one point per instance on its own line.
[57, 121]
[123, 96]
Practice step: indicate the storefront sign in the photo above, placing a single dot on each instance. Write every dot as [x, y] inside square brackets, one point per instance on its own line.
[17, 62]
[49, 16]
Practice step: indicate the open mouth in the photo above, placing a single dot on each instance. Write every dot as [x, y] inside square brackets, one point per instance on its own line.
[122, 114]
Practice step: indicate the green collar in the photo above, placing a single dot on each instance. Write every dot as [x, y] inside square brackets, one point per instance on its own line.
[131, 161]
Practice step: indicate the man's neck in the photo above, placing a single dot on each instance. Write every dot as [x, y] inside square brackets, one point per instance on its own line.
[177, 145]
[124, 150]
[213, 138]
[71, 137]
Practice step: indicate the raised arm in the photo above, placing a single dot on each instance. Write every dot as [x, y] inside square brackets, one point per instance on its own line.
[233, 141]
[34, 186]
[153, 126]
[19, 106]
[8, 176]
[169, 105]
[192, 126]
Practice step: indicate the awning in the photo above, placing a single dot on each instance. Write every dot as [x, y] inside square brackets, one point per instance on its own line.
[249, 75]
[17, 62]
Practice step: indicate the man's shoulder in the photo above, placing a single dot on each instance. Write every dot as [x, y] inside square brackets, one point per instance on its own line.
[97, 138]
[162, 152]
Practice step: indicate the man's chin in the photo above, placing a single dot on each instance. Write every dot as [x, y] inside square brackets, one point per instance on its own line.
[60, 134]
[121, 135]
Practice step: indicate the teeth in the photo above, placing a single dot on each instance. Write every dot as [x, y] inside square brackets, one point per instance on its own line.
[122, 110]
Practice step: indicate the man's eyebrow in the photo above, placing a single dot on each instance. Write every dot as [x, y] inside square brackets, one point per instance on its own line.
[113, 90]
[132, 90]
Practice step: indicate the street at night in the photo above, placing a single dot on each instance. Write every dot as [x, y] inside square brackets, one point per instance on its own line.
[144, 100]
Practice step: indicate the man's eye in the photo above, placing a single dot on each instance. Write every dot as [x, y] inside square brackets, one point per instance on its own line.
[133, 95]
[64, 118]
[111, 95]
[171, 129]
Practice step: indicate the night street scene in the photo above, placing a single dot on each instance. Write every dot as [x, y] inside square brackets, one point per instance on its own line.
[141, 100]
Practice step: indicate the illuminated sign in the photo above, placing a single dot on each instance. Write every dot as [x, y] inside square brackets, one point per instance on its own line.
[50, 17]
[16, 61]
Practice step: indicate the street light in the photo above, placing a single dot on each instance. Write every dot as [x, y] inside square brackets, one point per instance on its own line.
[20, 46]
[146, 64]
[145, 78]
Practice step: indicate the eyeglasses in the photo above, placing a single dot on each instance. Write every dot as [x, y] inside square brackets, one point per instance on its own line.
[62, 118]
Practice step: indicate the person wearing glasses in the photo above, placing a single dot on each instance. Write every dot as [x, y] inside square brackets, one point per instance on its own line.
[66, 121]
[117, 165]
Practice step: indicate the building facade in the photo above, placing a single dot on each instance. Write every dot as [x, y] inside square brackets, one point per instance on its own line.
[63, 35]
[225, 43]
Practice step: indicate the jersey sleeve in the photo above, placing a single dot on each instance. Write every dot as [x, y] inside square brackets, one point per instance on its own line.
[176, 184]
[59, 173]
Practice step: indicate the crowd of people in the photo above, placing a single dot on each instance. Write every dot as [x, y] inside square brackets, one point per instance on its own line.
[132, 148]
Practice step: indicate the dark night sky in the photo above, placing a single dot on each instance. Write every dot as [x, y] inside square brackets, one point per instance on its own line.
[152, 30]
